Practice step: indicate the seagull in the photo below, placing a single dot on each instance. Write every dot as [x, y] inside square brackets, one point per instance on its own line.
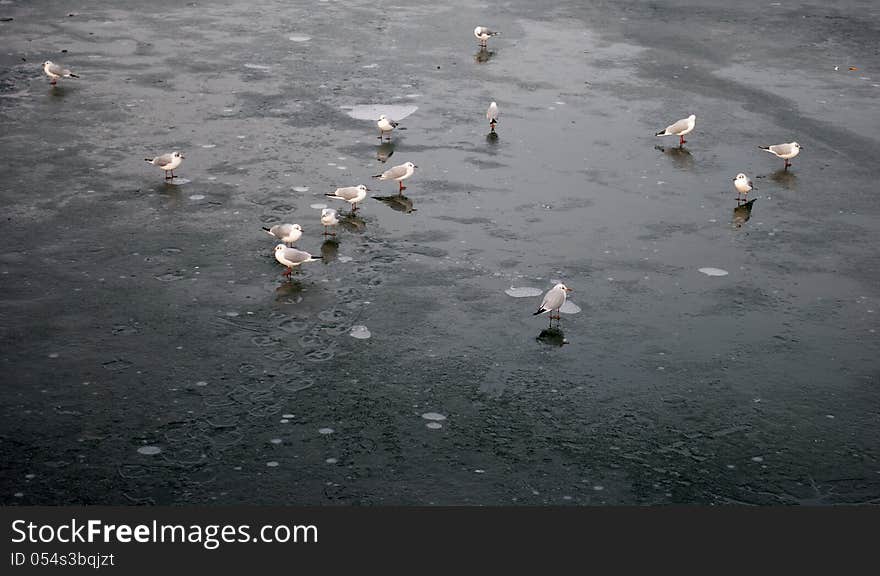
[351, 194]
[743, 185]
[287, 233]
[492, 115]
[553, 300]
[784, 151]
[680, 128]
[55, 71]
[167, 162]
[291, 257]
[482, 33]
[386, 125]
[399, 173]
[329, 218]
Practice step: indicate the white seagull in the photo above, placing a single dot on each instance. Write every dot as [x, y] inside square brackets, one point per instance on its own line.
[743, 185]
[399, 173]
[351, 194]
[386, 125]
[287, 233]
[680, 128]
[553, 300]
[167, 162]
[291, 257]
[329, 218]
[492, 115]
[784, 151]
[55, 71]
[483, 33]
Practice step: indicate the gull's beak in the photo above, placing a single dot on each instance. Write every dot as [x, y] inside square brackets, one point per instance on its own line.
[182, 156]
[569, 290]
[414, 166]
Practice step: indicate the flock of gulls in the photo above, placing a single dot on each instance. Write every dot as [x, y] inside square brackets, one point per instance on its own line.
[288, 233]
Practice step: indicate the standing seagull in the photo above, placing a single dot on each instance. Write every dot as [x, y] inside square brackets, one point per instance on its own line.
[329, 219]
[492, 115]
[351, 194]
[482, 33]
[743, 185]
[553, 300]
[386, 125]
[167, 162]
[287, 233]
[291, 257]
[54, 72]
[784, 151]
[399, 173]
[680, 128]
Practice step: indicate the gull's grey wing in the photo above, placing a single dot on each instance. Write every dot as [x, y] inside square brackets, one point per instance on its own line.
[163, 160]
[57, 70]
[295, 256]
[395, 172]
[679, 126]
[281, 230]
[553, 299]
[347, 193]
[782, 149]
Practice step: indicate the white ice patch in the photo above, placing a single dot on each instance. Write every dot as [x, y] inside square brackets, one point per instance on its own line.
[272, 464]
[179, 181]
[325, 431]
[360, 332]
[713, 271]
[149, 450]
[522, 292]
[299, 38]
[197, 197]
[434, 416]
[318, 206]
[373, 111]
[258, 67]
[209, 145]
[300, 188]
[434, 425]
[570, 308]
[345, 259]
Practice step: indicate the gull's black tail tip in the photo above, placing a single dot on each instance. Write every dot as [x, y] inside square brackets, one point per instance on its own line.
[73, 76]
[148, 159]
[764, 147]
[540, 311]
[660, 133]
[266, 229]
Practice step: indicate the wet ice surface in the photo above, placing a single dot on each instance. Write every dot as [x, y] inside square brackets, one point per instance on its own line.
[666, 378]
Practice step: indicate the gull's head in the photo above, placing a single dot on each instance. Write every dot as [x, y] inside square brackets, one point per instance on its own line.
[796, 145]
[382, 117]
[741, 176]
[297, 227]
[410, 165]
[562, 287]
[178, 155]
[362, 188]
[478, 30]
[279, 247]
[47, 63]
[326, 212]
[692, 117]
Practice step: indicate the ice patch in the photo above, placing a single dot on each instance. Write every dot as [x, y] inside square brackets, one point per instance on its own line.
[300, 188]
[373, 111]
[288, 416]
[275, 440]
[433, 416]
[209, 145]
[522, 292]
[197, 197]
[325, 431]
[345, 259]
[179, 181]
[434, 425]
[331, 460]
[272, 464]
[570, 308]
[201, 383]
[149, 450]
[257, 67]
[360, 332]
[299, 38]
[318, 206]
[370, 66]
[713, 271]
